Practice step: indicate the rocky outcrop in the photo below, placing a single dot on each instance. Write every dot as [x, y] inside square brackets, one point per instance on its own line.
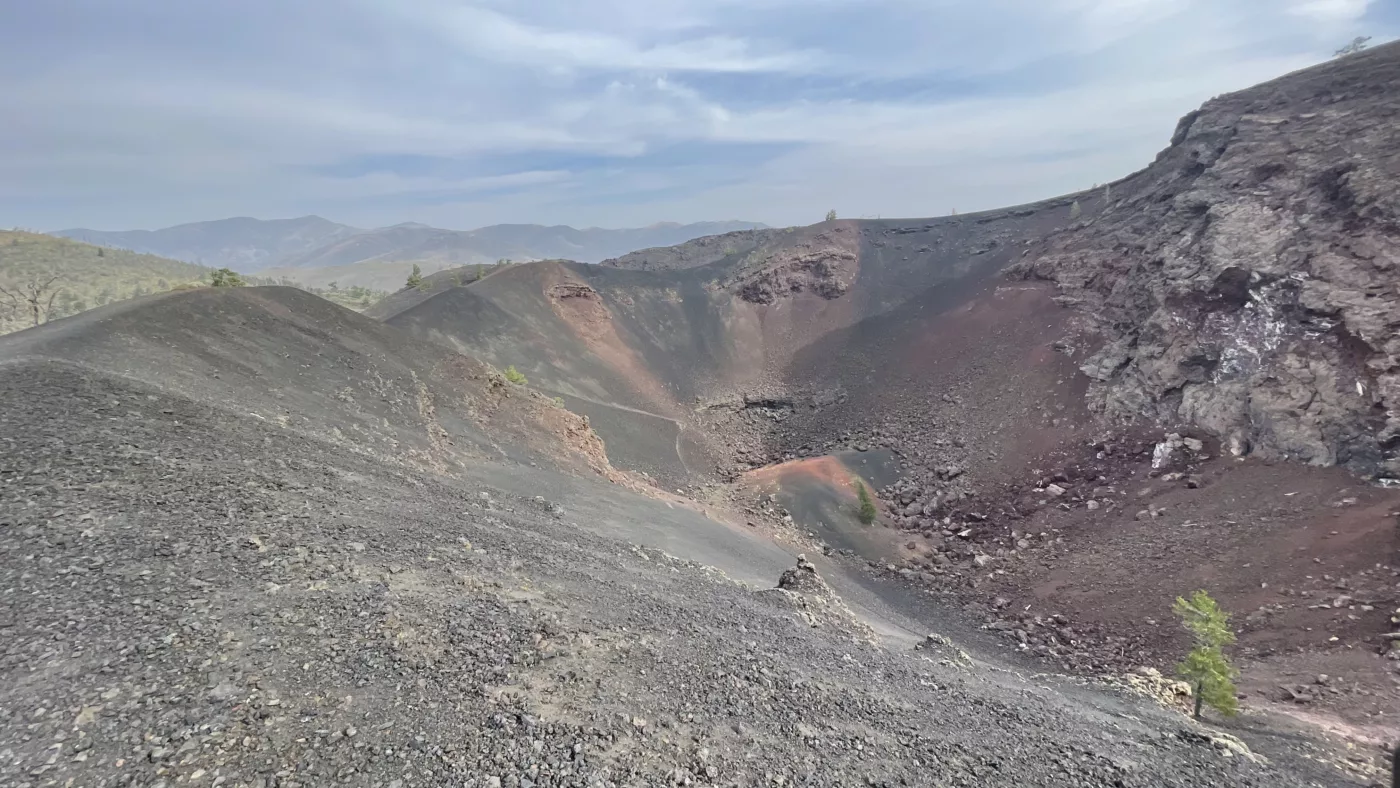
[825, 264]
[803, 579]
[817, 604]
[573, 290]
[695, 253]
[1246, 281]
[766, 265]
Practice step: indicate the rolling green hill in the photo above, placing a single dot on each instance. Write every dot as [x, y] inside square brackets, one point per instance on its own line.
[67, 277]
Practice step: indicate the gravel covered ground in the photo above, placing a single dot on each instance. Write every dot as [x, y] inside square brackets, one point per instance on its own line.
[193, 597]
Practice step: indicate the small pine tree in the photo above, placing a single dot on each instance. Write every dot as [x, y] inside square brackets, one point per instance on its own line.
[415, 279]
[1107, 192]
[1207, 668]
[867, 512]
[514, 376]
[101, 252]
[226, 277]
[831, 215]
[1075, 211]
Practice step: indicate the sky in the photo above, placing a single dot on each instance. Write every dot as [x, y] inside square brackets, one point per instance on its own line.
[142, 114]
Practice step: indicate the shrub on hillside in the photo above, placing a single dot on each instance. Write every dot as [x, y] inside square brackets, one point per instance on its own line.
[1209, 671]
[226, 277]
[866, 514]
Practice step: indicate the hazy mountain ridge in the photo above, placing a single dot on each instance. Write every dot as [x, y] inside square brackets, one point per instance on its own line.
[242, 243]
[252, 245]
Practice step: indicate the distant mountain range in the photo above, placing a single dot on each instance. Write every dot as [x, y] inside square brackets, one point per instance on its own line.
[243, 244]
[310, 242]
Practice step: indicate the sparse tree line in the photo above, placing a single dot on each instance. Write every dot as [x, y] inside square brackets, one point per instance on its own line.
[39, 284]
[364, 296]
[464, 275]
[36, 298]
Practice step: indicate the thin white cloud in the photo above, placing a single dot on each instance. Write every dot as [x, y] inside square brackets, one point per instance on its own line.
[1108, 21]
[1329, 10]
[496, 36]
[871, 106]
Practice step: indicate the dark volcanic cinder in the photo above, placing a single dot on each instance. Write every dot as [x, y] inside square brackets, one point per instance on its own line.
[196, 596]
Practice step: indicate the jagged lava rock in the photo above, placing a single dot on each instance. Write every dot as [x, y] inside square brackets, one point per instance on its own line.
[1246, 281]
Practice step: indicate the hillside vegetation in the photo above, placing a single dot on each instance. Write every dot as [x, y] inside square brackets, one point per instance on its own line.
[406, 295]
[376, 275]
[66, 277]
[83, 276]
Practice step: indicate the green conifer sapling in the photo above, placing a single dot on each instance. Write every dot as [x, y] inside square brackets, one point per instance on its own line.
[867, 507]
[1206, 667]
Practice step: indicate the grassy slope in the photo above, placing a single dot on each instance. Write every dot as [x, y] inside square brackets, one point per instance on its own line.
[90, 276]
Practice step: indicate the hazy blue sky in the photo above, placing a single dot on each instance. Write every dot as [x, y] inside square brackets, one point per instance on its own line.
[146, 113]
